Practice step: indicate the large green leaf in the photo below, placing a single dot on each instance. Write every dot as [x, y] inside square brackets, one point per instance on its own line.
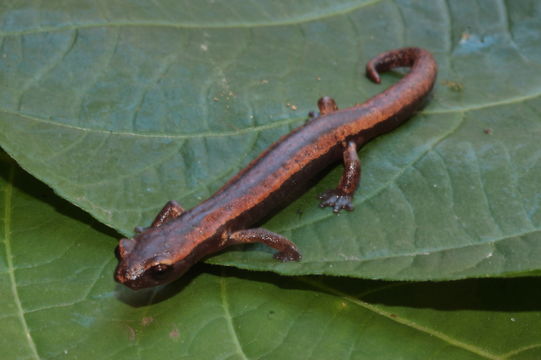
[123, 105]
[58, 301]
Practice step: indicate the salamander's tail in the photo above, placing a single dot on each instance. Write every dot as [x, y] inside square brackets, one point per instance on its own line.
[405, 57]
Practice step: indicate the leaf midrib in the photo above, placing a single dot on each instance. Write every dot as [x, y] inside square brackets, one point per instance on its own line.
[8, 195]
[257, 128]
[229, 318]
[241, 131]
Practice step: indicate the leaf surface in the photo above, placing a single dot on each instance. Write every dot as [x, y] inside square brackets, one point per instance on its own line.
[122, 106]
[58, 301]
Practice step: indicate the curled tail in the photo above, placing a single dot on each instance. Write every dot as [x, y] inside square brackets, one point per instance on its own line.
[415, 58]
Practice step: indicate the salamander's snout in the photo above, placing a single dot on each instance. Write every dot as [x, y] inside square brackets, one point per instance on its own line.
[132, 284]
[141, 267]
[129, 276]
[147, 260]
[128, 272]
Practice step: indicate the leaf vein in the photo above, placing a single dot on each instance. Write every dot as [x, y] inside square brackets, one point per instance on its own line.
[155, 135]
[8, 194]
[403, 321]
[41, 73]
[353, 6]
[508, 101]
[483, 192]
[229, 318]
[423, 252]
[521, 350]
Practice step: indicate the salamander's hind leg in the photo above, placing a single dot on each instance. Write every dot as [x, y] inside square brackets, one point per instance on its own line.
[326, 105]
[287, 251]
[170, 211]
[341, 197]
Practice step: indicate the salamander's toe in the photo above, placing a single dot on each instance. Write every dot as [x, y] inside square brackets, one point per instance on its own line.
[310, 116]
[337, 200]
[288, 255]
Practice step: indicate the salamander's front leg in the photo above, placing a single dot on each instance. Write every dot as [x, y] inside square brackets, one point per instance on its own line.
[341, 197]
[170, 211]
[287, 251]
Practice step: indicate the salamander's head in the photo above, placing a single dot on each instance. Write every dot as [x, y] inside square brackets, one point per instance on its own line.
[147, 260]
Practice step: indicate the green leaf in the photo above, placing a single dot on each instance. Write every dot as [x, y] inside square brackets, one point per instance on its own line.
[58, 301]
[121, 106]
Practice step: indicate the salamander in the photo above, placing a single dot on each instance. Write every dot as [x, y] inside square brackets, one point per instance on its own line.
[179, 238]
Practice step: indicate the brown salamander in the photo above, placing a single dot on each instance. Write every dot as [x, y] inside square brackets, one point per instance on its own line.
[178, 238]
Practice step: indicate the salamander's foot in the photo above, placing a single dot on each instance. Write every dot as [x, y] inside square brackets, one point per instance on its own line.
[336, 199]
[291, 254]
[311, 116]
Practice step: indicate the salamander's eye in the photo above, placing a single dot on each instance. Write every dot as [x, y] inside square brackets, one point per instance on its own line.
[160, 271]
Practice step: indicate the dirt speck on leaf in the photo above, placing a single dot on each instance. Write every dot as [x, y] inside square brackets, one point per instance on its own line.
[132, 334]
[174, 334]
[147, 320]
[453, 85]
